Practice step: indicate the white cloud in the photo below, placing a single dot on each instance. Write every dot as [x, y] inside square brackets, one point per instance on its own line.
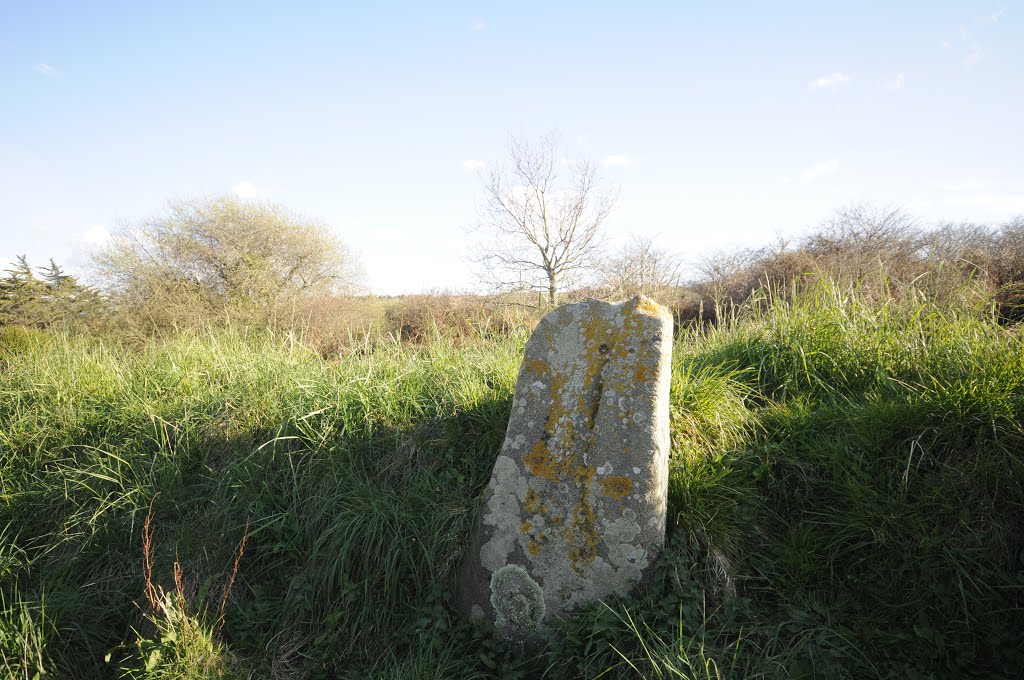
[615, 161]
[94, 237]
[247, 190]
[832, 80]
[970, 199]
[946, 45]
[5, 264]
[479, 25]
[45, 69]
[473, 165]
[998, 14]
[895, 84]
[918, 205]
[808, 175]
[974, 56]
[989, 203]
[88, 243]
[966, 185]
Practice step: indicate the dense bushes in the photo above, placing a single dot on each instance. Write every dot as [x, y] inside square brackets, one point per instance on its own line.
[877, 252]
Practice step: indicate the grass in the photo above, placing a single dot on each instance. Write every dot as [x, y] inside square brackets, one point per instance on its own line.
[846, 500]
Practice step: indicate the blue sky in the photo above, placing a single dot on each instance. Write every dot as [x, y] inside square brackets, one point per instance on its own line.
[724, 124]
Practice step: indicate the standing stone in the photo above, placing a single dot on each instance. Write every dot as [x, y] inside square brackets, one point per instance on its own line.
[575, 509]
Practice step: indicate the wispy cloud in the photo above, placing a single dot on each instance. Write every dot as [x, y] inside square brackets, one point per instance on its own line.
[615, 161]
[473, 165]
[831, 81]
[966, 185]
[975, 53]
[975, 56]
[997, 15]
[44, 69]
[478, 25]
[808, 175]
[896, 83]
[247, 190]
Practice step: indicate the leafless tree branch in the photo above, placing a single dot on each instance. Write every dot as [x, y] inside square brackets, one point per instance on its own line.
[541, 220]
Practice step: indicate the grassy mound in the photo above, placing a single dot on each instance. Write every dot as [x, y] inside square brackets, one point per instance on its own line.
[846, 500]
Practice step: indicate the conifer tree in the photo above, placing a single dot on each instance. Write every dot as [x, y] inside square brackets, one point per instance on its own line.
[50, 298]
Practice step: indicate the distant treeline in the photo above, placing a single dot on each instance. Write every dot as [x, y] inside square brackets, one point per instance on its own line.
[880, 252]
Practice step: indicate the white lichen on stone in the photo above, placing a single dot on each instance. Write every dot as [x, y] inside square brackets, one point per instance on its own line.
[517, 599]
[502, 512]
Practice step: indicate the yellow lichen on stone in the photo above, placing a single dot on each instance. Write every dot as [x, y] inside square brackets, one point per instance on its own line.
[531, 501]
[649, 307]
[558, 381]
[582, 535]
[596, 331]
[533, 548]
[616, 487]
[561, 432]
[539, 461]
[583, 475]
[525, 526]
[641, 373]
[538, 366]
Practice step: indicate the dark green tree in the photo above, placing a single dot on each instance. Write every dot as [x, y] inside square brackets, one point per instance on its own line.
[20, 294]
[48, 299]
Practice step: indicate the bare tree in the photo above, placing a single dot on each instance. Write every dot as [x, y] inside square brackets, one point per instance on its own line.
[541, 218]
[641, 267]
[862, 238]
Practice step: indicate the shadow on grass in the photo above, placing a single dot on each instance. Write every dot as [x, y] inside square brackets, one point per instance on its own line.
[351, 534]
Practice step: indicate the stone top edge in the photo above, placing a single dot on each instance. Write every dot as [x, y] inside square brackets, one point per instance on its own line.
[640, 303]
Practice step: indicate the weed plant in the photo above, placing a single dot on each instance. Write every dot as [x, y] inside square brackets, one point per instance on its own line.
[845, 502]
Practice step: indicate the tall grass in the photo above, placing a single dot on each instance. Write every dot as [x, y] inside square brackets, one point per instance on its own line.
[845, 501]
[353, 475]
[878, 507]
